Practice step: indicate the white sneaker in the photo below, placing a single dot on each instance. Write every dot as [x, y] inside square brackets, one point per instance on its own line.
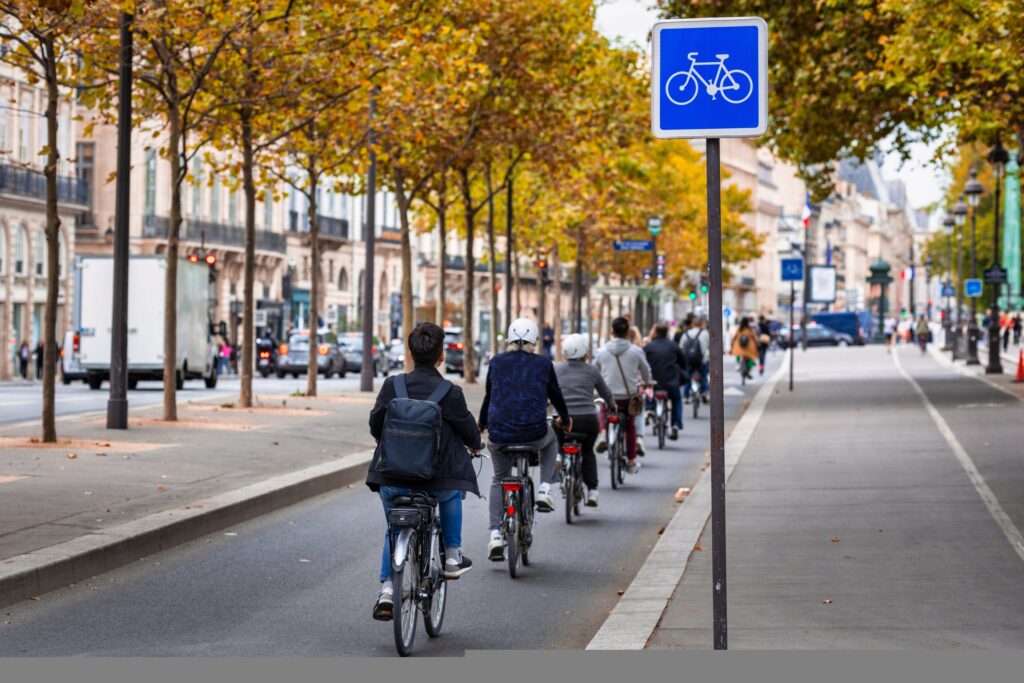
[496, 547]
[592, 498]
[640, 446]
[634, 468]
[544, 501]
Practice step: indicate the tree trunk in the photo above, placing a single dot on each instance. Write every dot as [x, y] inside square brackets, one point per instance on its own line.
[442, 247]
[314, 286]
[170, 410]
[556, 267]
[403, 217]
[514, 260]
[249, 190]
[492, 253]
[469, 361]
[52, 247]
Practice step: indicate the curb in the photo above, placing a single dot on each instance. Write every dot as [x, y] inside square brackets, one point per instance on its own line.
[26, 576]
[633, 620]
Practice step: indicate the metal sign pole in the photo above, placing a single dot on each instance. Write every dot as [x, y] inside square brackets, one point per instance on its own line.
[370, 223]
[714, 180]
[792, 347]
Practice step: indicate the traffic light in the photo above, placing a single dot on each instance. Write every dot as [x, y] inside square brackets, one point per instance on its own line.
[193, 258]
[703, 284]
[542, 266]
[693, 296]
[211, 259]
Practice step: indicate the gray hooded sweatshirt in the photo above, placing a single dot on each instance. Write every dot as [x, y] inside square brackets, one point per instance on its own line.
[634, 367]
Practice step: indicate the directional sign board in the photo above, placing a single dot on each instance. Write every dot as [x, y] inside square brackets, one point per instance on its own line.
[948, 290]
[792, 269]
[634, 245]
[654, 225]
[822, 281]
[972, 288]
[995, 275]
[709, 78]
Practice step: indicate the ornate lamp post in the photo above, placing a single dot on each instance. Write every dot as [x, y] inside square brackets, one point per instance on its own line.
[998, 158]
[947, 226]
[973, 189]
[959, 217]
[880, 276]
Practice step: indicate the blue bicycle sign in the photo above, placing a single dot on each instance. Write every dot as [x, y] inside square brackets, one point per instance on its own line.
[735, 85]
[709, 78]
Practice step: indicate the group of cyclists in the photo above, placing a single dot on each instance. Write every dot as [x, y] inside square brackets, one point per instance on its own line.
[520, 385]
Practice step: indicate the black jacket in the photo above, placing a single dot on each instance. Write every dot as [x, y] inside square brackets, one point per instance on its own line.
[458, 431]
[666, 360]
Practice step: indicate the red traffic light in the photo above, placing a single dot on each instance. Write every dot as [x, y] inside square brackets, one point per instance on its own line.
[211, 259]
[542, 263]
[193, 258]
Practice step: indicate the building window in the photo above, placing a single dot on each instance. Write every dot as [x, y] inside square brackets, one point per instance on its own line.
[39, 254]
[60, 254]
[764, 174]
[268, 210]
[23, 129]
[232, 207]
[20, 247]
[3, 131]
[197, 186]
[215, 199]
[343, 280]
[3, 251]
[149, 206]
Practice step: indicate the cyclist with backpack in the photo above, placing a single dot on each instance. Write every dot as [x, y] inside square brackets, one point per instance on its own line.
[515, 412]
[624, 371]
[667, 365]
[578, 381]
[744, 347]
[695, 343]
[423, 429]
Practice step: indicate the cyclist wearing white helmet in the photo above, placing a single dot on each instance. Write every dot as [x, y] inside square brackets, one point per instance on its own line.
[579, 380]
[514, 412]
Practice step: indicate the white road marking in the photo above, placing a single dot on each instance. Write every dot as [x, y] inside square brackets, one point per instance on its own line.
[1012, 533]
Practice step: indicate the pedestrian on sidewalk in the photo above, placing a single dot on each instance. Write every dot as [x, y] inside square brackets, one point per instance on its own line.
[764, 340]
[1006, 325]
[23, 355]
[889, 331]
[38, 353]
[922, 333]
[453, 474]
[744, 347]
[1017, 325]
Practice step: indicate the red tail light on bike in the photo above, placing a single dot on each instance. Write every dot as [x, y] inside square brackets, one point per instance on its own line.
[511, 510]
[661, 395]
[264, 354]
[510, 486]
[571, 450]
[614, 419]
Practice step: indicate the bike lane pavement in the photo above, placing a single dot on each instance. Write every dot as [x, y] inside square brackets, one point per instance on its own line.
[852, 524]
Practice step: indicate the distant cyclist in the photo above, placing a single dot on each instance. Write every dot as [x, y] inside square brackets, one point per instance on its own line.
[515, 412]
[579, 380]
[667, 367]
[623, 371]
[454, 473]
[695, 344]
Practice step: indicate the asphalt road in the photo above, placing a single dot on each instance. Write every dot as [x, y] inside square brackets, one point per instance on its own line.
[302, 581]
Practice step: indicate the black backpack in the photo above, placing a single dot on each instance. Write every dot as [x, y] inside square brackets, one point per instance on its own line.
[410, 445]
[744, 340]
[691, 350]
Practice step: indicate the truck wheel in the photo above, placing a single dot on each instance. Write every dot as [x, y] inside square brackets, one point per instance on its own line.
[280, 374]
[211, 379]
[64, 379]
[179, 380]
[94, 382]
[295, 375]
[133, 383]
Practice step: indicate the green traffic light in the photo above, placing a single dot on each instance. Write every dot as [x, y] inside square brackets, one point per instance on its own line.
[693, 295]
[703, 289]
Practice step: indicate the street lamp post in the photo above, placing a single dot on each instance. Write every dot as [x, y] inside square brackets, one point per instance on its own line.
[928, 288]
[947, 225]
[998, 157]
[973, 189]
[959, 217]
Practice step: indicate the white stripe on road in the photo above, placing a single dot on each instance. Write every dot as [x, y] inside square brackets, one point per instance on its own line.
[632, 622]
[1013, 534]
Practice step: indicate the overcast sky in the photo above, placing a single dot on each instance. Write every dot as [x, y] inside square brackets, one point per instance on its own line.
[632, 20]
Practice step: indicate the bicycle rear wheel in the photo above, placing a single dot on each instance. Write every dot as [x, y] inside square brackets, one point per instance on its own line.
[526, 523]
[615, 463]
[661, 434]
[512, 546]
[433, 608]
[405, 580]
[569, 482]
[696, 404]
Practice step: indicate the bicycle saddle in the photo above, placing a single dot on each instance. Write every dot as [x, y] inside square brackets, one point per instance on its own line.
[414, 499]
[722, 56]
[516, 448]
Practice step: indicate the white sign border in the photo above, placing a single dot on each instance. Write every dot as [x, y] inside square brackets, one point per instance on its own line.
[762, 105]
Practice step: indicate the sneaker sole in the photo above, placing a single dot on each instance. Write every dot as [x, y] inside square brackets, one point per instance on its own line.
[452, 575]
[544, 508]
[591, 504]
[383, 613]
[496, 555]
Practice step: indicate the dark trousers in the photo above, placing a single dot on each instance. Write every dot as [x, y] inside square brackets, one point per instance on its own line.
[629, 424]
[591, 427]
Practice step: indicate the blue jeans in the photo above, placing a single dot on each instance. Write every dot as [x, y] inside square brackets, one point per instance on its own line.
[705, 371]
[675, 397]
[449, 505]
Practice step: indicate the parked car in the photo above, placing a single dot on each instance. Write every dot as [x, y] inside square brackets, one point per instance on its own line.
[396, 355]
[352, 347]
[817, 335]
[70, 365]
[293, 356]
[846, 322]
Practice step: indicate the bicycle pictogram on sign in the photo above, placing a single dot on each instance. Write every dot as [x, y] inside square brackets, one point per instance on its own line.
[734, 85]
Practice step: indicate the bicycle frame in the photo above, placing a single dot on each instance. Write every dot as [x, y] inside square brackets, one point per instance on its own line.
[718, 74]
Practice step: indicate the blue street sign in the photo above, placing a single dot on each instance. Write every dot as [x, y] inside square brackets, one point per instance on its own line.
[647, 273]
[948, 290]
[709, 78]
[727, 312]
[633, 245]
[972, 288]
[792, 269]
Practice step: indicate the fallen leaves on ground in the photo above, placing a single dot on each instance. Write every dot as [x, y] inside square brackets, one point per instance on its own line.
[698, 548]
[71, 456]
[835, 539]
[160, 488]
[682, 493]
[661, 531]
[827, 601]
[304, 561]
[620, 591]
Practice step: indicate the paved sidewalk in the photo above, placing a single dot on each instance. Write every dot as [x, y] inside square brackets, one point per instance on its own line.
[86, 492]
[852, 524]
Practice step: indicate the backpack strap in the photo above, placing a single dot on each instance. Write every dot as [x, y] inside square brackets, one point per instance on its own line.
[400, 390]
[440, 392]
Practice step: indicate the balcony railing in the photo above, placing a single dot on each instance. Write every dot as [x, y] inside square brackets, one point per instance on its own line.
[28, 183]
[211, 233]
[329, 227]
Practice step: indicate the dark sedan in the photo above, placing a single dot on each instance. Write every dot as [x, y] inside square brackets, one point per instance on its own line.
[352, 347]
[817, 335]
[293, 357]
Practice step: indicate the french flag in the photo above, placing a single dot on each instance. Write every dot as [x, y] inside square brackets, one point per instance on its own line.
[805, 216]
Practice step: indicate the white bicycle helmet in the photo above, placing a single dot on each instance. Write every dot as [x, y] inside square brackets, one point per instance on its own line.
[574, 346]
[523, 330]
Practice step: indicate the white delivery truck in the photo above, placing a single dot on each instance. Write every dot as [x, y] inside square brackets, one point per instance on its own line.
[146, 279]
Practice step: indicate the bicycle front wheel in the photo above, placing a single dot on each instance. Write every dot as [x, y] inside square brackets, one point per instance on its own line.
[681, 88]
[405, 579]
[433, 608]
